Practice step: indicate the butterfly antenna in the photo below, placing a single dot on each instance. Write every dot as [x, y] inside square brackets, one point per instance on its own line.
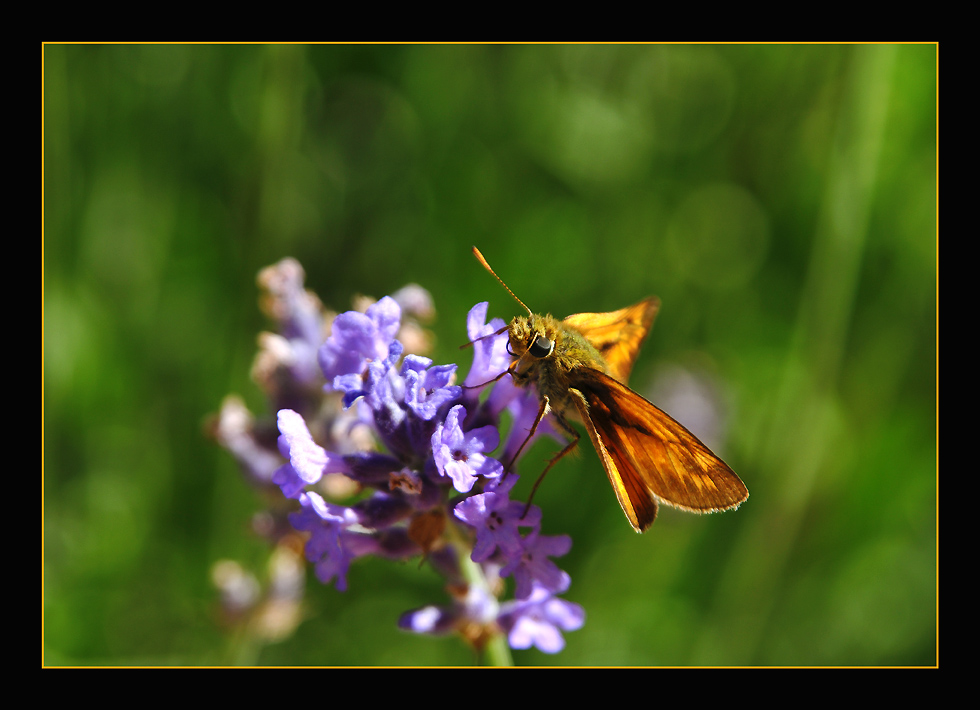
[479, 257]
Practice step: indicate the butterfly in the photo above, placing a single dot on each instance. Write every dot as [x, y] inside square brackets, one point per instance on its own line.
[579, 367]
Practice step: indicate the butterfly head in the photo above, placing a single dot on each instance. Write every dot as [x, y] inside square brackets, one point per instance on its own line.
[532, 339]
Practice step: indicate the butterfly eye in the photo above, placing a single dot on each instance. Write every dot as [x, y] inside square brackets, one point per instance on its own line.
[541, 347]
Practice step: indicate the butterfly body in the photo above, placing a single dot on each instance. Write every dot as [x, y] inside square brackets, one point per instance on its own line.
[579, 367]
[564, 350]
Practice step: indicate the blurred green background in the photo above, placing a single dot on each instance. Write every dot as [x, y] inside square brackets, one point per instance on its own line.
[780, 199]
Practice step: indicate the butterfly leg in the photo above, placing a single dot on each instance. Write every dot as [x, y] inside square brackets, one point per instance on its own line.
[557, 457]
[542, 411]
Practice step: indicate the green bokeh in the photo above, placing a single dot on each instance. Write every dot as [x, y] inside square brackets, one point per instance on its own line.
[780, 199]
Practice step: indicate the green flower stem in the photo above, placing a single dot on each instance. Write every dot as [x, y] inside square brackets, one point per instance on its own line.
[497, 650]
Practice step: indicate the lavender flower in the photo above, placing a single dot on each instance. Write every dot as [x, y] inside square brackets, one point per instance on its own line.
[308, 461]
[428, 388]
[459, 455]
[358, 338]
[437, 491]
[496, 519]
[539, 620]
[325, 548]
[533, 566]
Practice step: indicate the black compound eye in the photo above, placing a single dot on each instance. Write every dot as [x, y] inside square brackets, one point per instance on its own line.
[541, 347]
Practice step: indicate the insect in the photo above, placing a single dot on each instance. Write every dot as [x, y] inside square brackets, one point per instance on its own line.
[579, 367]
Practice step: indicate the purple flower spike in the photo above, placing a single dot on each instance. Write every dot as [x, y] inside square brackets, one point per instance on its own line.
[411, 445]
[539, 620]
[459, 455]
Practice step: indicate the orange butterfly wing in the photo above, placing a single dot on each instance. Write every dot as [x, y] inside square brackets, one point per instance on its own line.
[617, 335]
[649, 457]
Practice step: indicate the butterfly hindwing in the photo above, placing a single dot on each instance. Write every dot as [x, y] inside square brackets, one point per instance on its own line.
[648, 456]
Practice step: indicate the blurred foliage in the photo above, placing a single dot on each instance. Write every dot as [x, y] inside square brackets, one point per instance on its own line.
[780, 199]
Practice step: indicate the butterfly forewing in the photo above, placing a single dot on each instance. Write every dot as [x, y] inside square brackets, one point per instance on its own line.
[617, 335]
[648, 456]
